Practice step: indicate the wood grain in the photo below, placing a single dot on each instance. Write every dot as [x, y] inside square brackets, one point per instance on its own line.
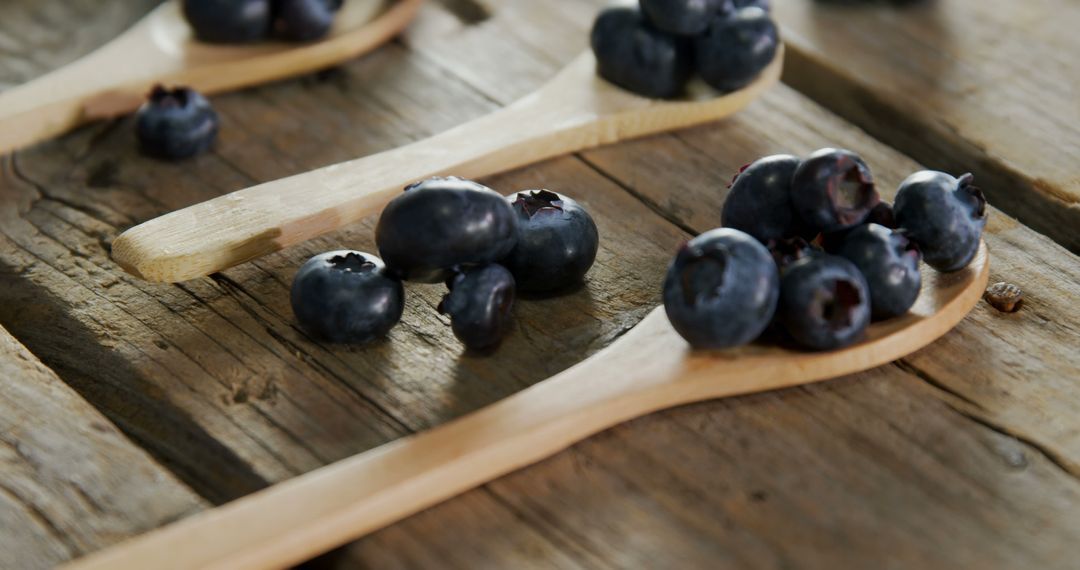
[964, 455]
[70, 483]
[988, 86]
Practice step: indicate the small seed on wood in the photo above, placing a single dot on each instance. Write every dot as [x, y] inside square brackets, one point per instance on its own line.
[1004, 297]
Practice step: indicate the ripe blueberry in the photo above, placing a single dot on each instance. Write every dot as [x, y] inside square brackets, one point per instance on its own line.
[683, 17]
[943, 215]
[736, 47]
[175, 124]
[480, 303]
[303, 20]
[229, 21]
[833, 190]
[882, 215]
[635, 56]
[760, 200]
[890, 264]
[444, 223]
[721, 289]
[557, 241]
[346, 296]
[824, 302]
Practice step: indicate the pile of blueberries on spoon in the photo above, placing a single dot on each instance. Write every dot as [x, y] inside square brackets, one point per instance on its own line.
[809, 253]
[483, 246]
[654, 47]
[246, 21]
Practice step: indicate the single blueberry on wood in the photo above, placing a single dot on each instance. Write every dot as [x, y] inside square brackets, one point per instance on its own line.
[480, 305]
[441, 224]
[890, 263]
[229, 21]
[833, 190]
[557, 241]
[824, 302]
[346, 296]
[943, 215]
[721, 289]
[735, 48]
[759, 202]
[634, 55]
[175, 124]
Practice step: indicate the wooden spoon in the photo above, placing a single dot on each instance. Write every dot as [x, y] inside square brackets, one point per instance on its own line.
[648, 369]
[115, 79]
[576, 110]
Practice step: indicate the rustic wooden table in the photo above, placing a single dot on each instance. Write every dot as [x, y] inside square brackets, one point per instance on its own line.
[158, 401]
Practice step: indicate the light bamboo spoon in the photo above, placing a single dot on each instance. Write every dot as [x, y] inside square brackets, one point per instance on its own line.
[575, 111]
[114, 80]
[648, 369]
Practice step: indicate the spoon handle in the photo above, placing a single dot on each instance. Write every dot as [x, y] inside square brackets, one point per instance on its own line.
[310, 514]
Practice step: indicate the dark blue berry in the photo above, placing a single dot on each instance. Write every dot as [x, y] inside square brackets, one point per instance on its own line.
[760, 200]
[824, 302]
[736, 47]
[480, 303]
[833, 190]
[303, 20]
[789, 250]
[229, 21]
[943, 215]
[346, 296]
[890, 264]
[175, 124]
[636, 56]
[557, 241]
[721, 289]
[442, 224]
[882, 215]
[683, 17]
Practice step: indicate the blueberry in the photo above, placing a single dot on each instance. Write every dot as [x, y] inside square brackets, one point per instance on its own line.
[833, 190]
[633, 55]
[789, 250]
[890, 263]
[760, 200]
[882, 215]
[721, 289]
[943, 215]
[824, 302]
[735, 48]
[229, 21]
[346, 296]
[175, 123]
[303, 20]
[557, 241]
[480, 303]
[444, 223]
[683, 17]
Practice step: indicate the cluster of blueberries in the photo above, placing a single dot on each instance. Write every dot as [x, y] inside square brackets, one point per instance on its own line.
[245, 21]
[809, 253]
[484, 246]
[654, 48]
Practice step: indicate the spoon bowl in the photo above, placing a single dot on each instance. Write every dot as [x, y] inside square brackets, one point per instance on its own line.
[160, 48]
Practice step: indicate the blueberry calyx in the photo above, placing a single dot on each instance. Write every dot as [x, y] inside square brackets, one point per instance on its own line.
[705, 263]
[973, 193]
[838, 308]
[853, 193]
[352, 262]
[789, 250]
[535, 201]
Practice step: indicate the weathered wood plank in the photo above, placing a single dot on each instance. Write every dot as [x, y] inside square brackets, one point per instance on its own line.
[989, 86]
[833, 475]
[70, 483]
